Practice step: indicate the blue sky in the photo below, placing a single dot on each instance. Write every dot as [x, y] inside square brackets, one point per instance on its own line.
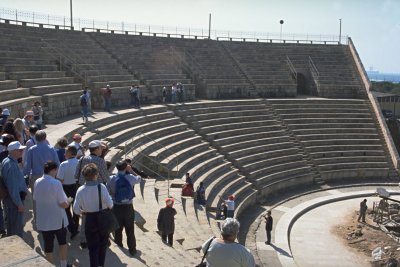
[374, 25]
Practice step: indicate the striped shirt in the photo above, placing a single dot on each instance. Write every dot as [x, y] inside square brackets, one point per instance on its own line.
[101, 165]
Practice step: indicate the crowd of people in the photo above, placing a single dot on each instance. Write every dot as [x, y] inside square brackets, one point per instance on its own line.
[71, 184]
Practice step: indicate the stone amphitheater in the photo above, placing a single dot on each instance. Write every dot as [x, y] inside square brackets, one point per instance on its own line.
[288, 126]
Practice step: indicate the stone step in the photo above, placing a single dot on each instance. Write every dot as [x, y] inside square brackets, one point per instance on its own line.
[59, 88]
[340, 148]
[333, 125]
[340, 160]
[29, 83]
[260, 163]
[226, 135]
[183, 154]
[105, 78]
[285, 174]
[203, 167]
[11, 94]
[339, 142]
[351, 165]
[328, 120]
[246, 137]
[299, 132]
[124, 83]
[25, 61]
[182, 167]
[343, 135]
[328, 116]
[252, 158]
[13, 68]
[190, 109]
[165, 82]
[2, 76]
[35, 74]
[257, 149]
[276, 168]
[8, 84]
[229, 121]
[254, 143]
[170, 149]
[350, 153]
[226, 115]
[378, 173]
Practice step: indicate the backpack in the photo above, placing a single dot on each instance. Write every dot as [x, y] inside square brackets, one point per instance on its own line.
[83, 101]
[3, 188]
[123, 190]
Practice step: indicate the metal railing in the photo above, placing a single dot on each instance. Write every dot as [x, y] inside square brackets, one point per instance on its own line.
[291, 68]
[314, 71]
[64, 60]
[133, 146]
[38, 19]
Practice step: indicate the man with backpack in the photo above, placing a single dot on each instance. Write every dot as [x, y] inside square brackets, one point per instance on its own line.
[121, 188]
[83, 99]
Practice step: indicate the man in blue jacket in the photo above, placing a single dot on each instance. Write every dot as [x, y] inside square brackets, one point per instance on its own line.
[15, 183]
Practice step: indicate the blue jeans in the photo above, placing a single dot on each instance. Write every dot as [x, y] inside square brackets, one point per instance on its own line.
[107, 104]
[15, 219]
[1, 218]
[85, 112]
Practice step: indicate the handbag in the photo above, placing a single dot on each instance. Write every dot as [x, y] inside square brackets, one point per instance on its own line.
[106, 220]
[202, 263]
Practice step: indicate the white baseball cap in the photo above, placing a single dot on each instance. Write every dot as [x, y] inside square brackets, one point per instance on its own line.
[94, 143]
[16, 145]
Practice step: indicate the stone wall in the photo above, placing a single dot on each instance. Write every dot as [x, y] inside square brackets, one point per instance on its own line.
[57, 106]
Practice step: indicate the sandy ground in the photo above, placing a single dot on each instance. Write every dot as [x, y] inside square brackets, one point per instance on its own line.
[371, 237]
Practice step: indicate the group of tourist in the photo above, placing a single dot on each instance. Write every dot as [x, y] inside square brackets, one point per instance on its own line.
[72, 183]
[169, 94]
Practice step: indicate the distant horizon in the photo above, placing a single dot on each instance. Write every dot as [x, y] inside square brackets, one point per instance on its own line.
[373, 25]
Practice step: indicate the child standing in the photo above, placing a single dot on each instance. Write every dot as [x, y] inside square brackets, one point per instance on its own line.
[166, 221]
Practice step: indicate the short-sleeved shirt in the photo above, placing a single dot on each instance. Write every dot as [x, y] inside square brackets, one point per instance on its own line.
[132, 179]
[230, 204]
[66, 171]
[87, 198]
[49, 194]
[227, 254]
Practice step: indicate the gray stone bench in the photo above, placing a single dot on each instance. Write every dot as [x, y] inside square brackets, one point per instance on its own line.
[17, 107]
[232, 133]
[13, 94]
[8, 84]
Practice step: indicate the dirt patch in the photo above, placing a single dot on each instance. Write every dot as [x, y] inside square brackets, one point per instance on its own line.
[363, 238]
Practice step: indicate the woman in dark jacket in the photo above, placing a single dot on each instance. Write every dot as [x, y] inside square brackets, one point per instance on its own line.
[166, 221]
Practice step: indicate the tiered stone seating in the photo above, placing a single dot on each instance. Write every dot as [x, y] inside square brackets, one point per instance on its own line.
[95, 65]
[150, 59]
[265, 65]
[33, 75]
[337, 77]
[248, 134]
[339, 135]
[218, 76]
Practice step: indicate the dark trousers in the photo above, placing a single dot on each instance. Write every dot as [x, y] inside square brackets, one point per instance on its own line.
[268, 236]
[96, 242]
[125, 216]
[73, 221]
[170, 238]
[362, 216]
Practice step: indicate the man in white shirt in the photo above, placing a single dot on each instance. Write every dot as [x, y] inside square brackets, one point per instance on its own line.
[51, 219]
[66, 174]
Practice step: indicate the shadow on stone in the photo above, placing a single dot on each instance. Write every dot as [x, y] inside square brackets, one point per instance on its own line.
[281, 251]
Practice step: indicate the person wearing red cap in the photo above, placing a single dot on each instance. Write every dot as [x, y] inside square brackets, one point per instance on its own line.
[230, 204]
[166, 221]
